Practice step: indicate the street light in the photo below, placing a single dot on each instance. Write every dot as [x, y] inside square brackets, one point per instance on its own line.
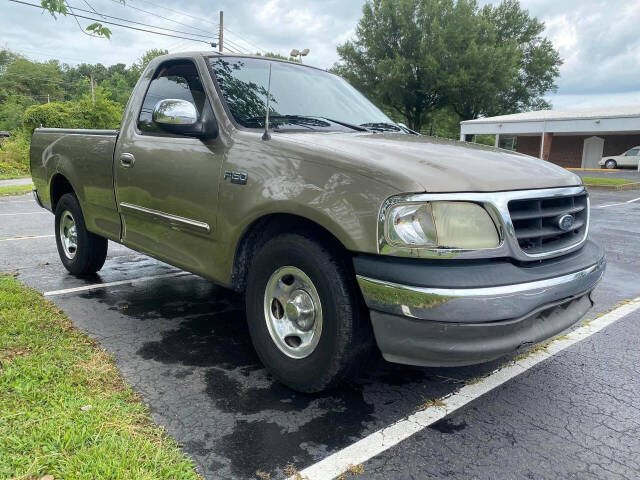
[296, 53]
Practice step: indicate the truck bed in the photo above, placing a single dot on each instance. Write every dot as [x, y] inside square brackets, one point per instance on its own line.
[85, 159]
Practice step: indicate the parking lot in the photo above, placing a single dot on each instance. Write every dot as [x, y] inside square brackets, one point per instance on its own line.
[182, 343]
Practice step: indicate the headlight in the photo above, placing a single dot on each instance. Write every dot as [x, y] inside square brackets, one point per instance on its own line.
[459, 225]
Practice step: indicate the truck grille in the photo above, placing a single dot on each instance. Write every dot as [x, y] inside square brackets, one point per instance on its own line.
[536, 222]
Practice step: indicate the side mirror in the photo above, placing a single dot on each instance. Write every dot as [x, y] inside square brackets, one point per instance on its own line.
[174, 112]
[180, 117]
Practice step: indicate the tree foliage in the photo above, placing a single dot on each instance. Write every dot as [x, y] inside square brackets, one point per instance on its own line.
[58, 95]
[103, 114]
[61, 7]
[421, 56]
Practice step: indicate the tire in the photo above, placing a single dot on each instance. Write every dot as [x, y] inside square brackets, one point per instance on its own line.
[81, 252]
[610, 164]
[341, 330]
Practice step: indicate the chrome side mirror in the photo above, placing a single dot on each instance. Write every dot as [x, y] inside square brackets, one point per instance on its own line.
[173, 111]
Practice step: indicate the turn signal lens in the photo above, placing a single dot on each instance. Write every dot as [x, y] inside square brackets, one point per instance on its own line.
[412, 225]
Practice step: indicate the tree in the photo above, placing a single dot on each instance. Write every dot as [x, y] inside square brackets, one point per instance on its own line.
[420, 56]
[539, 62]
[277, 56]
[61, 7]
[138, 67]
[396, 56]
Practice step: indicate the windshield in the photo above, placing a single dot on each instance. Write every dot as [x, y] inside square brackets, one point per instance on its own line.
[301, 97]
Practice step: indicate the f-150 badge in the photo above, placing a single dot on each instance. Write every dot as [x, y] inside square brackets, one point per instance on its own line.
[239, 178]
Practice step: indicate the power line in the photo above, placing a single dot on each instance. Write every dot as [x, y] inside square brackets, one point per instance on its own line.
[140, 23]
[244, 40]
[116, 24]
[128, 5]
[233, 44]
[200, 19]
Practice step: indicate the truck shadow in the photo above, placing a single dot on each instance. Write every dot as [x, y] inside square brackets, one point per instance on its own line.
[197, 333]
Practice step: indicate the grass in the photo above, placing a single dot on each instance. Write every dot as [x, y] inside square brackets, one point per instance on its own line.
[437, 402]
[15, 190]
[352, 470]
[605, 181]
[65, 411]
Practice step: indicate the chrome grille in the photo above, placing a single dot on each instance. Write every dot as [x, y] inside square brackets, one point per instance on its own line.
[536, 222]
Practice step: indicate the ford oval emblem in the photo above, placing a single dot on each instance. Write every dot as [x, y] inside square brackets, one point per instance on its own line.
[565, 222]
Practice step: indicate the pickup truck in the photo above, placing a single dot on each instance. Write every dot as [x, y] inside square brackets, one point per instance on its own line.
[345, 231]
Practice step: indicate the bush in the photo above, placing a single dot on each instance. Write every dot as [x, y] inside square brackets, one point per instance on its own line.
[105, 114]
[14, 155]
[14, 151]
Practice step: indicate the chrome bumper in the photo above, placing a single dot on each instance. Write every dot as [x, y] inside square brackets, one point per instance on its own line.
[478, 305]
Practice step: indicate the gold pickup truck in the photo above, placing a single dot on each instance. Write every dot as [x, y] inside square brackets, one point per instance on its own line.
[345, 230]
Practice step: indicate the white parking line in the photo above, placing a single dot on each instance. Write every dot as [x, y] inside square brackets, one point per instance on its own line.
[383, 439]
[616, 204]
[28, 213]
[97, 286]
[26, 237]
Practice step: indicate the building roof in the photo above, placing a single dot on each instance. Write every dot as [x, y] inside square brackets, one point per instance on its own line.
[590, 121]
[572, 114]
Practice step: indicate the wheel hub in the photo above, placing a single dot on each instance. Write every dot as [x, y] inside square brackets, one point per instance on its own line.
[293, 312]
[68, 235]
[301, 310]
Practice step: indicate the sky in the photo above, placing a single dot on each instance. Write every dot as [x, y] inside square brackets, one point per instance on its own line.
[597, 39]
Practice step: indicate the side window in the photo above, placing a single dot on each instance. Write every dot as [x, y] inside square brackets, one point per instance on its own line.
[633, 152]
[175, 79]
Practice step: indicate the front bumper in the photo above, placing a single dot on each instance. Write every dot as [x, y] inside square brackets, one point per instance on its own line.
[483, 311]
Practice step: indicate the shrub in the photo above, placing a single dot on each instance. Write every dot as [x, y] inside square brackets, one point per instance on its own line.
[14, 155]
[80, 114]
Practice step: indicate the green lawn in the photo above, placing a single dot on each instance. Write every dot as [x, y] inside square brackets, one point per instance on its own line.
[65, 411]
[605, 181]
[15, 190]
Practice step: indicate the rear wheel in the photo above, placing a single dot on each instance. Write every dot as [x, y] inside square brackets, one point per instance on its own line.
[610, 164]
[304, 313]
[81, 252]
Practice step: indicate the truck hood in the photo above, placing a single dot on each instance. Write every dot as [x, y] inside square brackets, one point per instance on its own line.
[419, 163]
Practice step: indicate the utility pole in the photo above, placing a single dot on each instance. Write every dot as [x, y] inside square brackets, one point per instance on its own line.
[221, 32]
[93, 93]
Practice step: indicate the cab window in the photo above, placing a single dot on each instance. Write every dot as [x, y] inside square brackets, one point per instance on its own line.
[175, 79]
[633, 152]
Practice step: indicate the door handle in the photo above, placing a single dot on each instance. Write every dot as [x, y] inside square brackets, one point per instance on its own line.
[127, 160]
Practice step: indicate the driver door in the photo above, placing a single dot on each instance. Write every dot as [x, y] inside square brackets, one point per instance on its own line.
[167, 184]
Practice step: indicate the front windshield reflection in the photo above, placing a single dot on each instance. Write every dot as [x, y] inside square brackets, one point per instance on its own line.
[302, 98]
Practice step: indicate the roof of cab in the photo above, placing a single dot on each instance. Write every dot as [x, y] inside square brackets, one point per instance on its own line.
[212, 53]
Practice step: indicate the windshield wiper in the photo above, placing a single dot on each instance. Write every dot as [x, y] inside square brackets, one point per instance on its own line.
[382, 127]
[308, 121]
[359, 128]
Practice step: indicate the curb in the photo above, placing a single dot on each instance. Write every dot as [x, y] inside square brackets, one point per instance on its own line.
[603, 170]
[625, 186]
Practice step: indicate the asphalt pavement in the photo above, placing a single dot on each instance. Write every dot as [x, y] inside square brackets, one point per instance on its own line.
[182, 343]
[16, 182]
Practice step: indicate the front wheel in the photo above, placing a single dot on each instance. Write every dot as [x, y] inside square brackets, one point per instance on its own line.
[610, 164]
[81, 252]
[305, 316]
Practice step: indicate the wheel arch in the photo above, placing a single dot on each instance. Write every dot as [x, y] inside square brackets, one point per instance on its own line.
[268, 226]
[59, 186]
